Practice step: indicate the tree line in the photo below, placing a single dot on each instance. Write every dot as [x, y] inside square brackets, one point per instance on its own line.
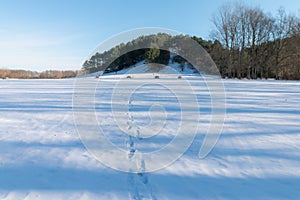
[249, 43]
[154, 50]
[27, 74]
[246, 42]
[126, 55]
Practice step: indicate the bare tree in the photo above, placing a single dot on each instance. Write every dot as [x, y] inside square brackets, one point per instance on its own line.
[254, 42]
[226, 22]
[279, 32]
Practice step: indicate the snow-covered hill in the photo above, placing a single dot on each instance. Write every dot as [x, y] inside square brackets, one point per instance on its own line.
[142, 67]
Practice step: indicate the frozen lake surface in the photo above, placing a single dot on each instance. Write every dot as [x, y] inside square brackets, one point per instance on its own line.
[256, 157]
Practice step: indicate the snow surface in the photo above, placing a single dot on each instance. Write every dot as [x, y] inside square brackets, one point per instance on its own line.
[142, 67]
[256, 157]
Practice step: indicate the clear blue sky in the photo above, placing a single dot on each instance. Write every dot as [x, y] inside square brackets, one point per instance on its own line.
[60, 34]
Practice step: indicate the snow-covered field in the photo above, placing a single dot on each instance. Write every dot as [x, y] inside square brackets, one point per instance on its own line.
[256, 157]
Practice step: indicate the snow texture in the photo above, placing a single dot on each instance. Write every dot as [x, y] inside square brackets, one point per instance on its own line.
[256, 157]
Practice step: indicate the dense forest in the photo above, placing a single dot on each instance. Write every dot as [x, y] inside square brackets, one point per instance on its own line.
[125, 55]
[245, 43]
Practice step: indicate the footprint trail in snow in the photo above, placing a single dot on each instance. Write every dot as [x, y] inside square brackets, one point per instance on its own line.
[138, 183]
